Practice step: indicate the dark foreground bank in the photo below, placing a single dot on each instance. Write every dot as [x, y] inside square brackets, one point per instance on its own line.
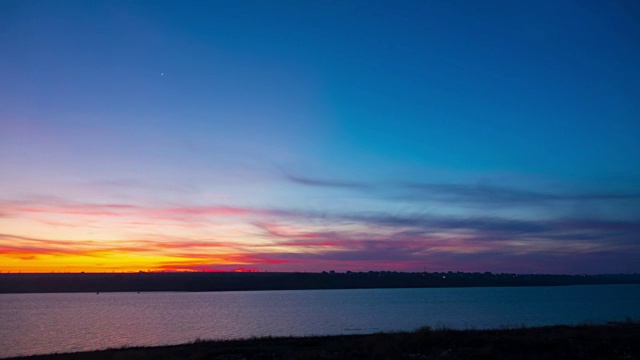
[192, 281]
[610, 341]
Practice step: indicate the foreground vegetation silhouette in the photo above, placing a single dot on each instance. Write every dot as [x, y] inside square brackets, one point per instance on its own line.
[607, 341]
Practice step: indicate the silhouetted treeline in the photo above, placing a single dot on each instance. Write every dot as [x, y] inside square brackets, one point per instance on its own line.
[192, 281]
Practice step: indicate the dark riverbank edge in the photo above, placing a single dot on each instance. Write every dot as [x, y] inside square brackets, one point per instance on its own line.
[619, 340]
[193, 281]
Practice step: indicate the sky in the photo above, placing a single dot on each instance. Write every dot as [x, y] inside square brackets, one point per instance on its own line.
[277, 135]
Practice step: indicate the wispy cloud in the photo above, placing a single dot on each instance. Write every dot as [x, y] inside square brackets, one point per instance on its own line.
[308, 181]
[466, 194]
[286, 239]
[492, 195]
[59, 206]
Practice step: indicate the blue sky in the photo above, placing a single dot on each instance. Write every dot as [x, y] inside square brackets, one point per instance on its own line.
[493, 136]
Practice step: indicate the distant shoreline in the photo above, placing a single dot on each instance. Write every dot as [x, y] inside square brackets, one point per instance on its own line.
[605, 341]
[199, 282]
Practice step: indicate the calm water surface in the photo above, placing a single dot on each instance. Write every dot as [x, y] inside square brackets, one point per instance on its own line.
[46, 323]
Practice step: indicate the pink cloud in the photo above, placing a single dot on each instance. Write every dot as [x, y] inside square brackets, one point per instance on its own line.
[57, 206]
